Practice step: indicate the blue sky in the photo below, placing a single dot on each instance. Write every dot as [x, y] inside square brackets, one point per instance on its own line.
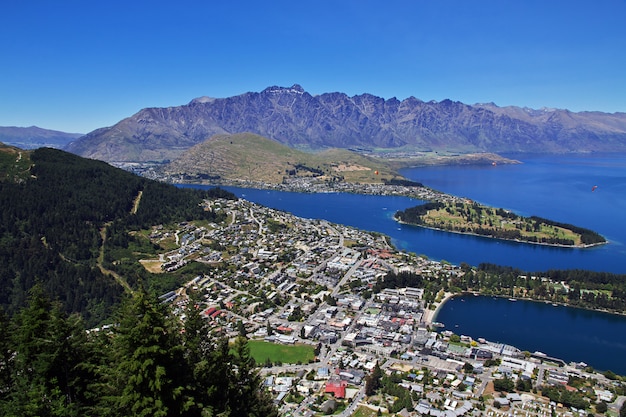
[76, 65]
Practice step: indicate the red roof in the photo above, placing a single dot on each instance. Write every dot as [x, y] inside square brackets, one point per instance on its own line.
[337, 387]
[284, 329]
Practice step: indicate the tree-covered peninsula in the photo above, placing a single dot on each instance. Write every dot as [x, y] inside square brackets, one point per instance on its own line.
[473, 218]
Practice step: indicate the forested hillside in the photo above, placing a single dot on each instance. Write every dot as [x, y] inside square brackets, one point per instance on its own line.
[148, 364]
[52, 221]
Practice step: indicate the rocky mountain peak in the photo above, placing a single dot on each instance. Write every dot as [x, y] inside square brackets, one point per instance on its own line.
[294, 89]
[295, 118]
[203, 99]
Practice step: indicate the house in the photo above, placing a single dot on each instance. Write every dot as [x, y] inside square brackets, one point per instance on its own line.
[328, 406]
[502, 402]
[337, 387]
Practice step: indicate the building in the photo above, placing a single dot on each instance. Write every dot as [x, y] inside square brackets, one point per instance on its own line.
[337, 387]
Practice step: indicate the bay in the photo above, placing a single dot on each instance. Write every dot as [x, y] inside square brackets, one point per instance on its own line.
[554, 187]
[571, 334]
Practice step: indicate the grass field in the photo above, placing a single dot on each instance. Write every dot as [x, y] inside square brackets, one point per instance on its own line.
[261, 351]
[365, 412]
[470, 217]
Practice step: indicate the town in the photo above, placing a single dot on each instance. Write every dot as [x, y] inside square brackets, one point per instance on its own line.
[293, 284]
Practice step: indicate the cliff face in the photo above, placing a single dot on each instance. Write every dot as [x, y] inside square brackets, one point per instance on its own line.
[297, 119]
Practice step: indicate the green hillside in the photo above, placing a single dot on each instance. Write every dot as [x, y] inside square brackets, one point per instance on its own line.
[14, 163]
[57, 211]
[251, 157]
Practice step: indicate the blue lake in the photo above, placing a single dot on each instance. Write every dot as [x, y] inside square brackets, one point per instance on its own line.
[571, 334]
[555, 187]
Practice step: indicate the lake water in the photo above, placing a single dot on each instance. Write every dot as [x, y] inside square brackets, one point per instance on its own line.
[554, 187]
[571, 334]
[557, 188]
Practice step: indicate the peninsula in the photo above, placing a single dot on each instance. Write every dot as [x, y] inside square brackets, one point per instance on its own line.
[469, 217]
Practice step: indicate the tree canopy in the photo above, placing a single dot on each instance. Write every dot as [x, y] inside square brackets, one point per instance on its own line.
[149, 364]
[50, 227]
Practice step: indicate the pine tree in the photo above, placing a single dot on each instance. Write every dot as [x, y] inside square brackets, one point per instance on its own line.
[373, 380]
[44, 374]
[6, 353]
[207, 363]
[247, 398]
[144, 366]
[148, 360]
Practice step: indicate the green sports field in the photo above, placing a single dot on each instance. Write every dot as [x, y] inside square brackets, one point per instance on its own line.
[261, 351]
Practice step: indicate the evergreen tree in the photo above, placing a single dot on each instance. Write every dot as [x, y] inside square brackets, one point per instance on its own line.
[148, 360]
[373, 380]
[207, 363]
[6, 353]
[148, 364]
[247, 398]
[43, 373]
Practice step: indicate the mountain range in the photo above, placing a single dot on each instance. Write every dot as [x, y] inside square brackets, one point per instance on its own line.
[300, 120]
[35, 137]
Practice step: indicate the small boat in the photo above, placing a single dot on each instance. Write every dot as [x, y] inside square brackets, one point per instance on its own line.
[512, 299]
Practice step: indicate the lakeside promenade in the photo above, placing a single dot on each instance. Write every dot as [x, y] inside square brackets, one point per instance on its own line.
[429, 315]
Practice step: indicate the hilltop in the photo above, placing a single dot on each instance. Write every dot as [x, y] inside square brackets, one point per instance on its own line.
[252, 157]
[365, 123]
[249, 158]
[14, 163]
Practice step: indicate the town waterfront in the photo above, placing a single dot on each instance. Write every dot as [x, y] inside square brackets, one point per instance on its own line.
[571, 334]
[555, 187]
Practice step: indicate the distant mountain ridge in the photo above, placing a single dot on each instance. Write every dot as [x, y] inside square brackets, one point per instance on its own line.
[35, 137]
[298, 119]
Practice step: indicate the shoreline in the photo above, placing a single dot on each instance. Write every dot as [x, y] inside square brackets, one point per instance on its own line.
[429, 314]
[554, 245]
[392, 190]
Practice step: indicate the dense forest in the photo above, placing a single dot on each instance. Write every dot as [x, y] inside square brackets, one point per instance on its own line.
[149, 363]
[51, 223]
[414, 214]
